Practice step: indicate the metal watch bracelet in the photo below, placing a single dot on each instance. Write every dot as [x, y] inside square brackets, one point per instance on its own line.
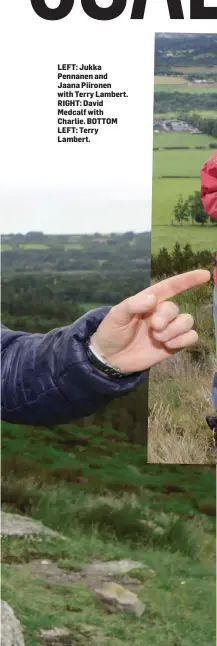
[101, 364]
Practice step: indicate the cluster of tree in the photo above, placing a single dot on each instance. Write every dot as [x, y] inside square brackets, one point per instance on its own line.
[42, 297]
[192, 210]
[207, 125]
[183, 102]
[179, 261]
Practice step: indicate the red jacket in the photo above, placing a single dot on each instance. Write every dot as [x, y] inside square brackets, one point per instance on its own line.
[209, 192]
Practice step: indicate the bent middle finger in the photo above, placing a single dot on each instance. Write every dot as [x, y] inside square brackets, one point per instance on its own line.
[180, 325]
[163, 314]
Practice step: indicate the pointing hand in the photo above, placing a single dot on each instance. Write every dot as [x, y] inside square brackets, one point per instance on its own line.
[147, 328]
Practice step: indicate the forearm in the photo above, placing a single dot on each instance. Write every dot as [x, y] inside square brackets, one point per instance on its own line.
[48, 379]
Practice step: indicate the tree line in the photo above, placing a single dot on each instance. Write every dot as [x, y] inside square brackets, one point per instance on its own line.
[181, 259]
[184, 101]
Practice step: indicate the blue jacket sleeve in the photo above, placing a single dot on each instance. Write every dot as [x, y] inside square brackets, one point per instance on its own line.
[48, 379]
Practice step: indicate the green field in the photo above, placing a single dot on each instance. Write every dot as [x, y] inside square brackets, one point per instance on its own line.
[69, 246]
[34, 246]
[179, 162]
[165, 194]
[188, 88]
[6, 247]
[163, 84]
[200, 238]
[212, 114]
[169, 80]
[163, 139]
[166, 115]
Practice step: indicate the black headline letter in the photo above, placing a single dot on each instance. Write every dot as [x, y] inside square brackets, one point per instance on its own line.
[109, 13]
[174, 6]
[43, 11]
[198, 11]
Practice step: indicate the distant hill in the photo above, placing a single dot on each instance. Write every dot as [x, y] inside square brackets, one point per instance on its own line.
[38, 252]
[185, 50]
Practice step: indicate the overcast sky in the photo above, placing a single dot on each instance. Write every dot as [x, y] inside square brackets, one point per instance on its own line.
[70, 188]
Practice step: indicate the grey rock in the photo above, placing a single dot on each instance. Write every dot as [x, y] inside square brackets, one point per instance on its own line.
[16, 525]
[111, 568]
[11, 631]
[51, 572]
[116, 598]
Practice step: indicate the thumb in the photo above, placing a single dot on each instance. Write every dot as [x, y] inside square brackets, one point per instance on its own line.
[139, 304]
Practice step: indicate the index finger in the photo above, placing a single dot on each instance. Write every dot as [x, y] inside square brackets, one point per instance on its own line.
[162, 291]
[175, 285]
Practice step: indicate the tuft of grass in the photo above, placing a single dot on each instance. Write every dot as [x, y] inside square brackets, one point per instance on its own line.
[178, 433]
[27, 548]
[180, 392]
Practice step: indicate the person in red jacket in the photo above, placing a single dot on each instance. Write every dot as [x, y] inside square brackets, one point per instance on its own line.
[209, 200]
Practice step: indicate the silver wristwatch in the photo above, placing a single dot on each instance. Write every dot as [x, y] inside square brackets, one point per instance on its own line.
[102, 365]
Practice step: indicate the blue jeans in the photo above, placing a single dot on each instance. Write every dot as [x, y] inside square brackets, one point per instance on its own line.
[214, 387]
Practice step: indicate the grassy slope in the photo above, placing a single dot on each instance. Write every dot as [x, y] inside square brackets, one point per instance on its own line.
[100, 516]
[179, 599]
